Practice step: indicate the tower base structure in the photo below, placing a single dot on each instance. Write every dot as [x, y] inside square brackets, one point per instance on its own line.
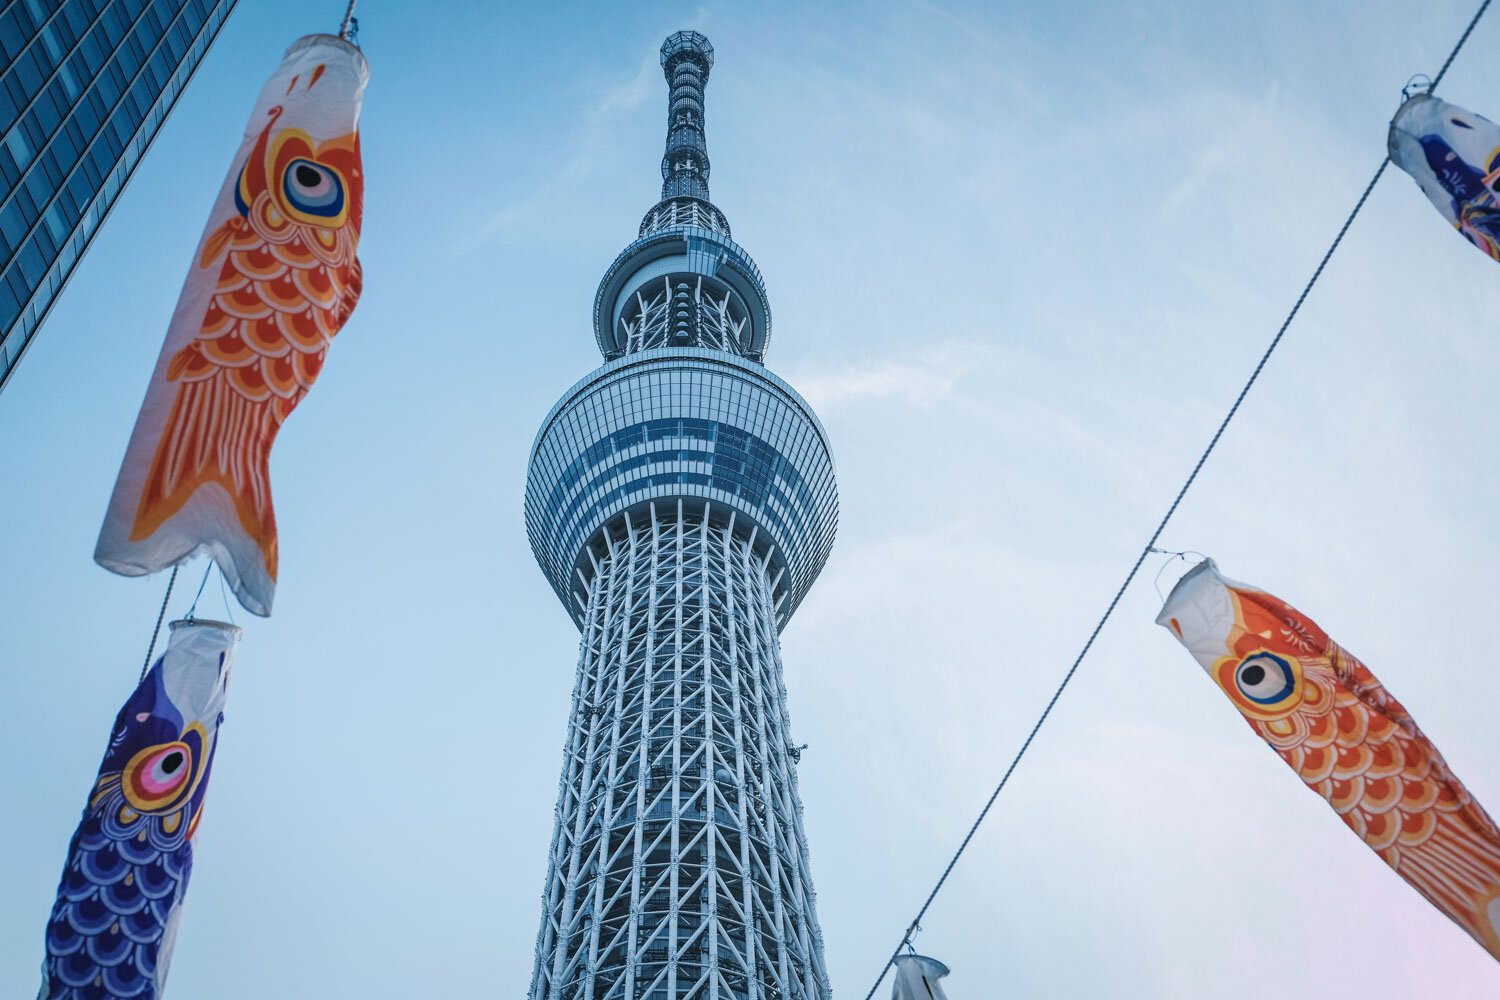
[678, 865]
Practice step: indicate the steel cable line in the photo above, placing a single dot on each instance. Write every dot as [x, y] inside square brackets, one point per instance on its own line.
[1161, 526]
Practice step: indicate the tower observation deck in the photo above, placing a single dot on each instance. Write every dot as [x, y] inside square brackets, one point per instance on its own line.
[681, 501]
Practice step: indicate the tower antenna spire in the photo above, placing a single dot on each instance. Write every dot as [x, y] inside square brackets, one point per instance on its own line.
[349, 26]
[686, 59]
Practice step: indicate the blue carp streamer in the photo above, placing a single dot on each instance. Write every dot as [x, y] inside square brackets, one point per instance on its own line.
[120, 899]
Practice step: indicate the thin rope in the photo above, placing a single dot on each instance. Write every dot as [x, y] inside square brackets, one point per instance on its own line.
[160, 615]
[192, 611]
[1156, 581]
[1150, 545]
[348, 20]
[227, 609]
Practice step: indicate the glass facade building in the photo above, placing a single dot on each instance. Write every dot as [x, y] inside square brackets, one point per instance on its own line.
[86, 85]
[681, 500]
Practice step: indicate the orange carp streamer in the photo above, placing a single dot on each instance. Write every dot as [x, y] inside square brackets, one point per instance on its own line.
[286, 286]
[274, 280]
[1335, 725]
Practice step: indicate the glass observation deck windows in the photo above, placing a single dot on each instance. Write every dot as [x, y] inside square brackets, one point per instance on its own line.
[682, 255]
[663, 424]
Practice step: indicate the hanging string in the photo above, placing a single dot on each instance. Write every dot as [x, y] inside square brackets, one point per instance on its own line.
[227, 609]
[1419, 81]
[348, 25]
[160, 615]
[1156, 582]
[1150, 545]
[201, 584]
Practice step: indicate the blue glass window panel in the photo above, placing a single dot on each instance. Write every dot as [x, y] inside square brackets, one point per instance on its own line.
[10, 306]
[20, 149]
[57, 224]
[12, 38]
[33, 264]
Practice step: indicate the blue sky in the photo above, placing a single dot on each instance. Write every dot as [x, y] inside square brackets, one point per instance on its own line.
[1020, 259]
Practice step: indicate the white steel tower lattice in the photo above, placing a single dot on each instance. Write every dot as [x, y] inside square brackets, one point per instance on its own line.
[681, 500]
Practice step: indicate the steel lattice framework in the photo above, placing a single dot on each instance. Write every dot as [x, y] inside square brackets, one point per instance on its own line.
[683, 311]
[681, 500]
[678, 866]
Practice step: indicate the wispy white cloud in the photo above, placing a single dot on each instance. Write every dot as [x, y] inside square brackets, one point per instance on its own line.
[919, 379]
[1228, 125]
[632, 93]
[582, 154]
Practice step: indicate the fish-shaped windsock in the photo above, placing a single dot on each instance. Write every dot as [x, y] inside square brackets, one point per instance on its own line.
[1328, 717]
[1454, 156]
[917, 978]
[120, 898]
[273, 280]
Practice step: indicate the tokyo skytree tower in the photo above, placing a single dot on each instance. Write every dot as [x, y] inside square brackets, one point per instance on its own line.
[681, 500]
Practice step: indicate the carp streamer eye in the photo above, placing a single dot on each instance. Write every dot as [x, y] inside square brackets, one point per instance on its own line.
[159, 777]
[1265, 678]
[313, 189]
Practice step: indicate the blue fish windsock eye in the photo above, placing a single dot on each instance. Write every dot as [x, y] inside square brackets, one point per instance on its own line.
[313, 189]
[1265, 678]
